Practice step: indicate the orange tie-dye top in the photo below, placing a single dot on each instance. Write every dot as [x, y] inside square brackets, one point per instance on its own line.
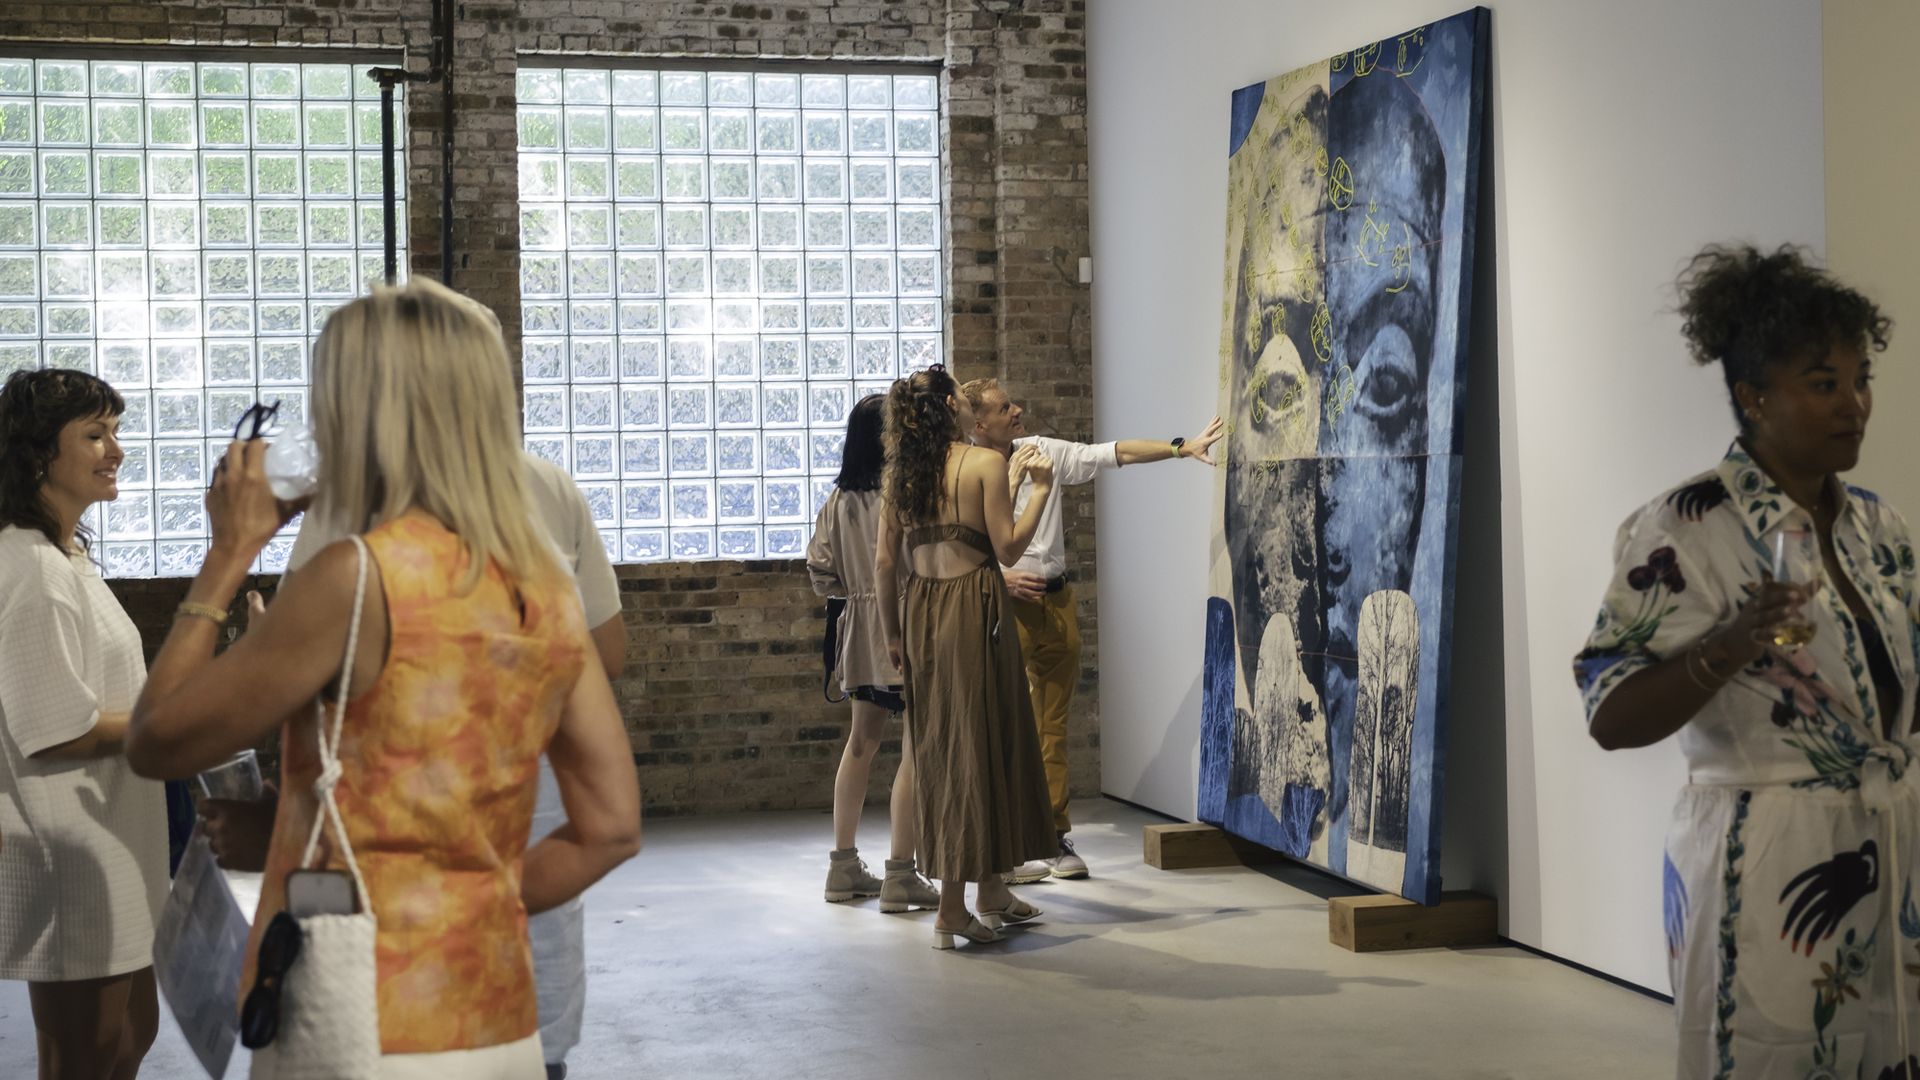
[440, 763]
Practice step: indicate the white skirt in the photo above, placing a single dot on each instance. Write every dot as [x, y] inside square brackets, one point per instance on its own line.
[519, 1060]
[509, 1061]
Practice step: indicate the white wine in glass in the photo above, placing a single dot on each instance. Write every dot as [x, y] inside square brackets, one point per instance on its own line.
[1796, 561]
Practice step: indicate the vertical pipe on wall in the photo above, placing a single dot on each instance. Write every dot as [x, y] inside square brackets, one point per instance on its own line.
[444, 16]
[388, 191]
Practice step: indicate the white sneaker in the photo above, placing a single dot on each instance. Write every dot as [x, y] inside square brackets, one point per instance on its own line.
[1068, 864]
[1029, 872]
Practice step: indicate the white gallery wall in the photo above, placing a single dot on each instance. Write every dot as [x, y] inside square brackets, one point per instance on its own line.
[1623, 137]
[1873, 154]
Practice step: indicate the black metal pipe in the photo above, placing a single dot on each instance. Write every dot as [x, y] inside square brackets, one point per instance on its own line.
[441, 69]
[445, 11]
[388, 189]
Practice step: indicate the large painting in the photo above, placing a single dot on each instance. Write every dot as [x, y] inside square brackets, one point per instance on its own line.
[1351, 189]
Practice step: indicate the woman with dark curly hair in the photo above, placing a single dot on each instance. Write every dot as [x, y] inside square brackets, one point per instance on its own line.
[83, 841]
[1792, 931]
[982, 789]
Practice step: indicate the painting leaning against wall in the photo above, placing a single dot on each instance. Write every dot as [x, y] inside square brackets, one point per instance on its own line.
[1351, 193]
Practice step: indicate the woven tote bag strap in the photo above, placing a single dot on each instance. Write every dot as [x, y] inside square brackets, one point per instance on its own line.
[329, 809]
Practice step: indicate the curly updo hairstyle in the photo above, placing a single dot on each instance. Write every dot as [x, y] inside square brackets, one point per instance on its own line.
[920, 428]
[1750, 311]
[34, 407]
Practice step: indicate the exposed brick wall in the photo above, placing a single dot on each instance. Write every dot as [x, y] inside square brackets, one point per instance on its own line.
[722, 692]
[722, 689]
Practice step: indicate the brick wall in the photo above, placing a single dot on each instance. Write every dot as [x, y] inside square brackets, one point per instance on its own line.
[722, 690]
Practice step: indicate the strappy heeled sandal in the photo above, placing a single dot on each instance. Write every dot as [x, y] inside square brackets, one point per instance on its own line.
[977, 932]
[1012, 915]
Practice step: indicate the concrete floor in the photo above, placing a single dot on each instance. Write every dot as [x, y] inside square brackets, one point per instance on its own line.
[712, 956]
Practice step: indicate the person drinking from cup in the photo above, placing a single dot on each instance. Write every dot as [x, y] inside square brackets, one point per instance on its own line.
[469, 660]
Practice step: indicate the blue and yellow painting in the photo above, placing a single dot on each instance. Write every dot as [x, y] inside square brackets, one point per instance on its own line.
[1352, 188]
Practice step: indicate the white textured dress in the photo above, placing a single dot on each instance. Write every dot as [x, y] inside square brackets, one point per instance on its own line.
[83, 844]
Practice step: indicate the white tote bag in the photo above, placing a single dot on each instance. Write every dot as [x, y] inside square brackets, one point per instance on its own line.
[329, 1012]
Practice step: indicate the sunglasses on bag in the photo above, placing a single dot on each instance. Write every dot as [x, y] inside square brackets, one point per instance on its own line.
[279, 948]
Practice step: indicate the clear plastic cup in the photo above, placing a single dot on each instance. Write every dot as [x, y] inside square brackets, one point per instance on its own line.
[236, 778]
[293, 463]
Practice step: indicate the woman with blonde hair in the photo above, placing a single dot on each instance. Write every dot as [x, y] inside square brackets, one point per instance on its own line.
[982, 790]
[468, 661]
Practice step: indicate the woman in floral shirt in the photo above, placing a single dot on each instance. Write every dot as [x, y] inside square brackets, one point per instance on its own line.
[1791, 924]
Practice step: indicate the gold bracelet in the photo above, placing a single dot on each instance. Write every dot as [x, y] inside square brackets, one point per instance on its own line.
[1707, 666]
[204, 611]
[1710, 688]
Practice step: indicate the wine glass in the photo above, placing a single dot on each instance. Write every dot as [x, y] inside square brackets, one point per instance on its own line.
[1796, 561]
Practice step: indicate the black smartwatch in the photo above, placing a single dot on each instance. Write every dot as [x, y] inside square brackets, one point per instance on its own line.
[1177, 444]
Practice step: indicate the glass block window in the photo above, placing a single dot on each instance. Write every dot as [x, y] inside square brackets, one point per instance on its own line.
[714, 267]
[182, 230]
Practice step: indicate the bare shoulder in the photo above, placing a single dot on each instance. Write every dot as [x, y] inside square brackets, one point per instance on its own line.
[328, 579]
[982, 463]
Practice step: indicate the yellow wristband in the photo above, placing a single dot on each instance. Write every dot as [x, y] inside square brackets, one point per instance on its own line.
[1176, 450]
[204, 611]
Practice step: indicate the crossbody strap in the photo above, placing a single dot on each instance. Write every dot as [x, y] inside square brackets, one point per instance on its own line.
[329, 809]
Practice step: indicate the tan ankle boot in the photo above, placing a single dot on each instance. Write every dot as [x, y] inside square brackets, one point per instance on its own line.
[905, 889]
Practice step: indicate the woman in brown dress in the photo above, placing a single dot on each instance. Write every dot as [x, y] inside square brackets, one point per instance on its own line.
[982, 789]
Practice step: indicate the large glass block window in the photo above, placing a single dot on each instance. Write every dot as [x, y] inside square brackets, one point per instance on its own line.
[715, 265]
[182, 230]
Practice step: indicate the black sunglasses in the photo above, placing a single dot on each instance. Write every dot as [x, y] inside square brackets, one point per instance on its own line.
[260, 416]
[279, 948]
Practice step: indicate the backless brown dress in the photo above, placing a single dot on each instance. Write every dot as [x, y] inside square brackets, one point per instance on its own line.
[984, 806]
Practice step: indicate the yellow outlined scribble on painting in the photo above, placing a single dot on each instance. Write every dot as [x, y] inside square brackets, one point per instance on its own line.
[1321, 330]
[1418, 40]
[1365, 59]
[1402, 260]
[1340, 185]
[1373, 236]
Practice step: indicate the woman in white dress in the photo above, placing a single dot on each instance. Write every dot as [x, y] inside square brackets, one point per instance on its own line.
[83, 841]
[1791, 923]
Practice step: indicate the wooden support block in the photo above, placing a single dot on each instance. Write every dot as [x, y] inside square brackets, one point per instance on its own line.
[1195, 845]
[1381, 923]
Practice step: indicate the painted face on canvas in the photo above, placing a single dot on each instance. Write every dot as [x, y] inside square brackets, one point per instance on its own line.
[1383, 247]
[1277, 331]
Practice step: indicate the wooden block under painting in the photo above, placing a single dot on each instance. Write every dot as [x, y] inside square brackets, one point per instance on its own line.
[1352, 188]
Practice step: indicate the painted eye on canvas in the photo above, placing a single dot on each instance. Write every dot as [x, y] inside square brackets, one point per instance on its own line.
[1390, 387]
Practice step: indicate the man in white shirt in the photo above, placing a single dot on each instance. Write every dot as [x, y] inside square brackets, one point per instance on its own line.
[1038, 583]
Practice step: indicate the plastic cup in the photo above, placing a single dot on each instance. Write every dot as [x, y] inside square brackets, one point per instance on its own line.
[236, 778]
[293, 463]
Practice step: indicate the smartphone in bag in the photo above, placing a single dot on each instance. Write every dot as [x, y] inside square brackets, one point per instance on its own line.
[320, 892]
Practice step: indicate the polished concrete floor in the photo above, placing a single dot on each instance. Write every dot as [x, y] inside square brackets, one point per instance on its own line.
[712, 955]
